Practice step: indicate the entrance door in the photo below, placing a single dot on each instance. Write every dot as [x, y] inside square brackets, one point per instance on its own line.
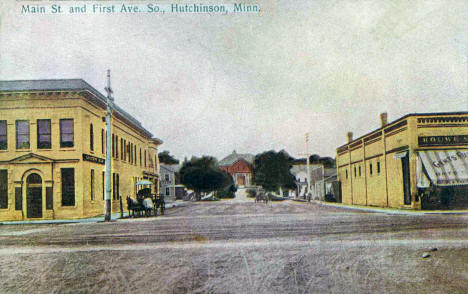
[406, 179]
[241, 180]
[34, 196]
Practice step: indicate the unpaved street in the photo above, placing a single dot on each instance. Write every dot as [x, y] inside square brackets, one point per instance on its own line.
[240, 247]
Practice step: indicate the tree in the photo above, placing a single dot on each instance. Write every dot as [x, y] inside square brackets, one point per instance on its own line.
[272, 170]
[203, 175]
[165, 157]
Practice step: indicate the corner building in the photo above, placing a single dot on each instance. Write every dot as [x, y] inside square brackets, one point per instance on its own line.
[53, 149]
[418, 161]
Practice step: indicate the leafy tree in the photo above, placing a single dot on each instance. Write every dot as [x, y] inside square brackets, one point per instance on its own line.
[272, 170]
[203, 175]
[165, 157]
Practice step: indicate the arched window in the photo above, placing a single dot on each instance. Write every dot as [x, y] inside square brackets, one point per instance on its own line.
[91, 137]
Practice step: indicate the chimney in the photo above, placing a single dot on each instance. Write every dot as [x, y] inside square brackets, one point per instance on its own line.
[383, 119]
[350, 137]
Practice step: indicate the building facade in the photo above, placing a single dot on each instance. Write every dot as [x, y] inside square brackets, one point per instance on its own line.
[53, 149]
[407, 162]
[239, 166]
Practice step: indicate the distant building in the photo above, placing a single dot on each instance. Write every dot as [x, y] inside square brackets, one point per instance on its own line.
[240, 167]
[323, 181]
[418, 161]
[53, 149]
[169, 182]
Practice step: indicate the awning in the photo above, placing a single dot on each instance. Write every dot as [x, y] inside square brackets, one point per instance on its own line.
[443, 167]
[143, 182]
[401, 154]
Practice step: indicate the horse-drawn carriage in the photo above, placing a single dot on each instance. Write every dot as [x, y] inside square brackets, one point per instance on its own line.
[261, 195]
[146, 204]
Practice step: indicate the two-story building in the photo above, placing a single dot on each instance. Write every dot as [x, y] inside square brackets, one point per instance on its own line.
[53, 149]
[417, 161]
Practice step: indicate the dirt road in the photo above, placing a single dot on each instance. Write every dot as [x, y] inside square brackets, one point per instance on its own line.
[240, 247]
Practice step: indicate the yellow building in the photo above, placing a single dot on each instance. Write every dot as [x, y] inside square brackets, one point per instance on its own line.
[418, 161]
[52, 151]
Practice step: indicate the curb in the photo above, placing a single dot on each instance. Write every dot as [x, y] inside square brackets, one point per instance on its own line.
[390, 210]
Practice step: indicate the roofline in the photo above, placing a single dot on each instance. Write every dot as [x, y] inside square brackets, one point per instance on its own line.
[93, 91]
[402, 118]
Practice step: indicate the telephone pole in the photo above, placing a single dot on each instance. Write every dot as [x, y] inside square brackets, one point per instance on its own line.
[109, 102]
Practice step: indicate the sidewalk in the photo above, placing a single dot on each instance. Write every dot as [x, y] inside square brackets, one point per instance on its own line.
[95, 219]
[387, 210]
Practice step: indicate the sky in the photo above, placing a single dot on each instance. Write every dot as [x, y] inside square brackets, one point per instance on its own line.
[208, 84]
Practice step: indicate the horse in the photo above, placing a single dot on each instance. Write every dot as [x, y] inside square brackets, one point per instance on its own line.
[159, 203]
[134, 206]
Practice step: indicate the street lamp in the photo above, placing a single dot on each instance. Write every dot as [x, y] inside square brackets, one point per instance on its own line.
[109, 102]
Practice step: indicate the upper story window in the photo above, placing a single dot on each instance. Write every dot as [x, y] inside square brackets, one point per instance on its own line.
[378, 167]
[3, 135]
[166, 176]
[22, 134]
[66, 133]
[91, 137]
[44, 139]
[370, 168]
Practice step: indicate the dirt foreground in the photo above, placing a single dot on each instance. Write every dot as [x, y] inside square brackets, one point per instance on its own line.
[229, 247]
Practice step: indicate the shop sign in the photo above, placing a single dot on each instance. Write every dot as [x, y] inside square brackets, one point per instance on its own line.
[91, 158]
[426, 141]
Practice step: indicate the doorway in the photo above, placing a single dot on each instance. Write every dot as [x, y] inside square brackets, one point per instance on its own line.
[34, 196]
[406, 179]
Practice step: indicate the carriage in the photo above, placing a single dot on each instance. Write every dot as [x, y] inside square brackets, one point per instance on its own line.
[146, 203]
[261, 196]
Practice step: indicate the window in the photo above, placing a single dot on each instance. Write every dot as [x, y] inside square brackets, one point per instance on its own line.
[113, 186]
[113, 145]
[3, 188]
[3, 135]
[22, 134]
[145, 158]
[102, 141]
[92, 184]
[378, 167]
[167, 191]
[103, 185]
[117, 146]
[346, 173]
[135, 155]
[354, 171]
[166, 176]
[140, 157]
[370, 168]
[66, 133]
[359, 170]
[43, 134]
[118, 188]
[18, 198]
[68, 186]
[124, 152]
[91, 137]
[49, 198]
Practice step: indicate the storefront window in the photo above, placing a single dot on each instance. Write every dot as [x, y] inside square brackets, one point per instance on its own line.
[66, 133]
[43, 134]
[22, 134]
[68, 186]
[3, 135]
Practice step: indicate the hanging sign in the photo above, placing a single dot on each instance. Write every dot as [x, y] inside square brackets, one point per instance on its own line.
[91, 158]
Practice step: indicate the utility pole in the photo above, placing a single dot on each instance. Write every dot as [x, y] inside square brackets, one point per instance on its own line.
[109, 102]
[308, 162]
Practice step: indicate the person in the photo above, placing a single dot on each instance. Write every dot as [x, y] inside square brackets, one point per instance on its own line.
[309, 196]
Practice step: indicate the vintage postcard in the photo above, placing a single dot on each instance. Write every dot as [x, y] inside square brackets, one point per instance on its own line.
[222, 146]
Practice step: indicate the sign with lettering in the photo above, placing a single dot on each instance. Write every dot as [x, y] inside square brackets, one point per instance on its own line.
[456, 140]
[91, 158]
[445, 167]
